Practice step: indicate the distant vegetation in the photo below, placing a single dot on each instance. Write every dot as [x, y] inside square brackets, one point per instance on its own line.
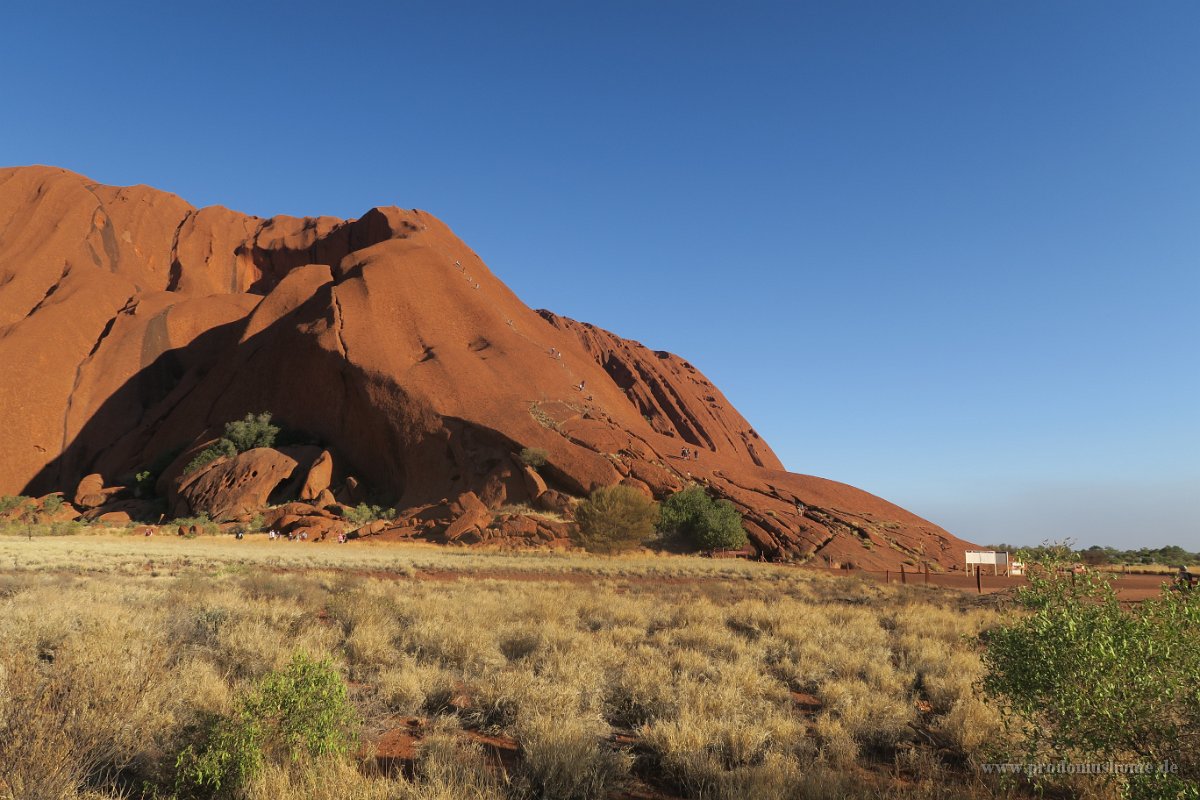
[709, 524]
[254, 430]
[1099, 556]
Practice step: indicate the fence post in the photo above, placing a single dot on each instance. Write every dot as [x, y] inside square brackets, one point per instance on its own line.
[887, 576]
[979, 580]
[926, 573]
[903, 574]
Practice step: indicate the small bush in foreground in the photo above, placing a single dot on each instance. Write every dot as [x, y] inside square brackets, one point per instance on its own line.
[615, 518]
[301, 710]
[1084, 679]
[710, 524]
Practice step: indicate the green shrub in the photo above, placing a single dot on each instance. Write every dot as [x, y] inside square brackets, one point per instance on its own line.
[710, 524]
[1083, 679]
[253, 430]
[222, 448]
[615, 518]
[52, 504]
[143, 483]
[300, 711]
[364, 513]
[9, 502]
[534, 457]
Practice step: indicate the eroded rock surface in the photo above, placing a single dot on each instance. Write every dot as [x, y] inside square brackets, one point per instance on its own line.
[133, 326]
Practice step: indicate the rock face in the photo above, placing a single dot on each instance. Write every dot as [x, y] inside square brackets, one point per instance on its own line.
[229, 488]
[133, 326]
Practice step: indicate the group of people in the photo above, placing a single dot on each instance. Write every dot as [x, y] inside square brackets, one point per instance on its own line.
[302, 536]
[688, 454]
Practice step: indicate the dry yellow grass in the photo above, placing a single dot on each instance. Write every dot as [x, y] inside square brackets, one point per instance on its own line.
[686, 673]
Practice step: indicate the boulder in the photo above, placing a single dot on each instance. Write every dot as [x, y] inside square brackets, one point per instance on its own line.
[91, 493]
[352, 492]
[470, 515]
[319, 476]
[533, 482]
[641, 486]
[554, 501]
[274, 517]
[239, 485]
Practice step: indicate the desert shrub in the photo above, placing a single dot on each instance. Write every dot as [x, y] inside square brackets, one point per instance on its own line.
[1082, 678]
[301, 710]
[222, 448]
[52, 504]
[10, 502]
[253, 430]
[363, 513]
[564, 756]
[710, 524]
[143, 483]
[615, 518]
[534, 457]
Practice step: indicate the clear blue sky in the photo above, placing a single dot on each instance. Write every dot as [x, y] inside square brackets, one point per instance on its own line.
[947, 252]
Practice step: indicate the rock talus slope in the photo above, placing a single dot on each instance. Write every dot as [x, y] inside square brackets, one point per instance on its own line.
[133, 326]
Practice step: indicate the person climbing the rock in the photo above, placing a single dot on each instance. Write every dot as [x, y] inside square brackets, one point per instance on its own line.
[579, 388]
[683, 453]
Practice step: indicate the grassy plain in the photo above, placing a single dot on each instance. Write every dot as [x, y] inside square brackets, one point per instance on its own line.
[489, 674]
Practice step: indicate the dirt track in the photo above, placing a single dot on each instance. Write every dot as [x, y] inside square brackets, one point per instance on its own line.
[1129, 588]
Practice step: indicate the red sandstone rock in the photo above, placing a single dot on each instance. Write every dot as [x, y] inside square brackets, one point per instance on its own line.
[641, 486]
[471, 516]
[533, 483]
[136, 326]
[554, 501]
[242, 484]
[91, 493]
[319, 475]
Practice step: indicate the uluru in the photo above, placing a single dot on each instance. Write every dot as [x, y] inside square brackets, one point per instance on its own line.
[134, 327]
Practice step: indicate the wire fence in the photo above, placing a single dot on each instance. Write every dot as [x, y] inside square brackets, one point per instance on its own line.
[1130, 586]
